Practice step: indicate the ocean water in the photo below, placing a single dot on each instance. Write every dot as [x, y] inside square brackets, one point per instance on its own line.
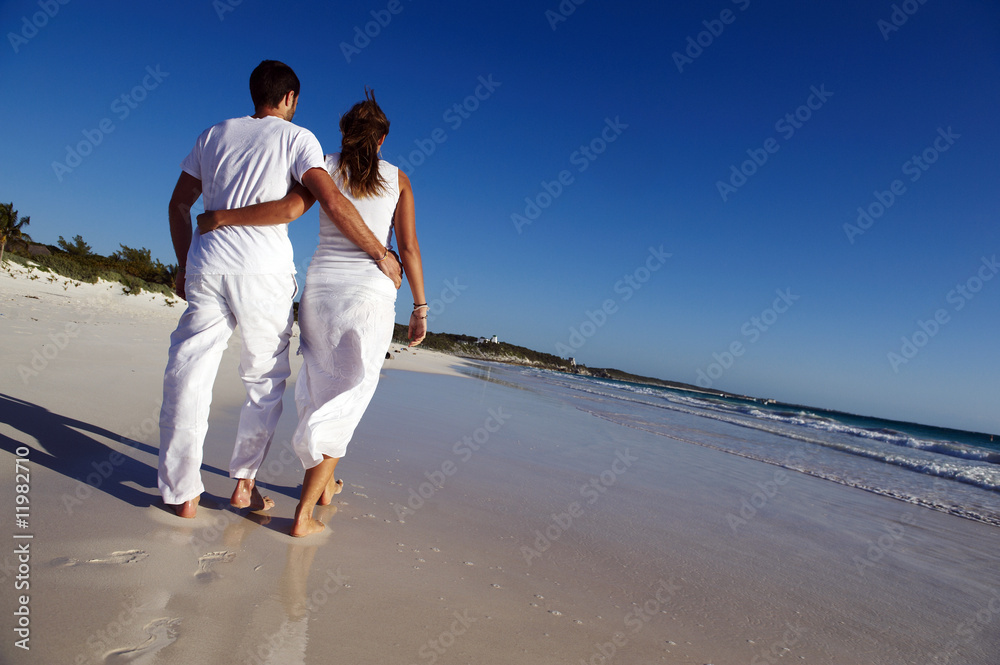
[947, 470]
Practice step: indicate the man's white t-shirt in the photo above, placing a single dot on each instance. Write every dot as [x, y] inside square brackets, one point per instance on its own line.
[240, 162]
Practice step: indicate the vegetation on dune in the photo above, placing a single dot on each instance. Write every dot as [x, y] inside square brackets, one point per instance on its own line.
[134, 269]
[77, 248]
[466, 346]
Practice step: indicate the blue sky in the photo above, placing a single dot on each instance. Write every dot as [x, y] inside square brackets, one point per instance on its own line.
[549, 157]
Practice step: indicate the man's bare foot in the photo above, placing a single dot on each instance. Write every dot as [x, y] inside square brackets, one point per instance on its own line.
[187, 509]
[306, 526]
[333, 488]
[246, 495]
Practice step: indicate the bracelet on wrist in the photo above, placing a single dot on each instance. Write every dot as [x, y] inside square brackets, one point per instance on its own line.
[383, 256]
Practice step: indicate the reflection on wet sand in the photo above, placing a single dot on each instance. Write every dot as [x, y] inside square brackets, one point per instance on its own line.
[211, 595]
[287, 644]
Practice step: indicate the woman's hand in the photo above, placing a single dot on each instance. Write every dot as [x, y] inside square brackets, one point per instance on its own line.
[208, 221]
[418, 326]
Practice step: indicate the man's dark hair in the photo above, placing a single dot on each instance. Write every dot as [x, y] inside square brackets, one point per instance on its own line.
[270, 82]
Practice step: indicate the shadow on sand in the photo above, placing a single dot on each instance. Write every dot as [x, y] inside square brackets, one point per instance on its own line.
[72, 447]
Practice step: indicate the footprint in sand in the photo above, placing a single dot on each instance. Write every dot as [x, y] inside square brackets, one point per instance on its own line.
[206, 565]
[161, 632]
[115, 558]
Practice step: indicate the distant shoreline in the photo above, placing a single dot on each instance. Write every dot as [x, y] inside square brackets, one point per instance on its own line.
[462, 346]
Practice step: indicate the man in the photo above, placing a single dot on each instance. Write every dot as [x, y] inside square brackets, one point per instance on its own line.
[245, 276]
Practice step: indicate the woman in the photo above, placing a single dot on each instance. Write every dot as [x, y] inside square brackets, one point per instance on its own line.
[347, 310]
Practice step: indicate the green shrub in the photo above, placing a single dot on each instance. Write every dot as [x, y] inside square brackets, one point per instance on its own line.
[93, 267]
[68, 266]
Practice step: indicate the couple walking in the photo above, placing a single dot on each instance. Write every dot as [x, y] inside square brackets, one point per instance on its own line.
[255, 175]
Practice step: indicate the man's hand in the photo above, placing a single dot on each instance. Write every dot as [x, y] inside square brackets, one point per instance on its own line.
[179, 283]
[208, 221]
[391, 267]
[186, 192]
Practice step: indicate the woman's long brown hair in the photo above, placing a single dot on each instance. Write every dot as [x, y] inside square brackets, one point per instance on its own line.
[362, 127]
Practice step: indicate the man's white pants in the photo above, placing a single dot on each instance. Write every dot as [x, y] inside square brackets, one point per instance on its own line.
[262, 306]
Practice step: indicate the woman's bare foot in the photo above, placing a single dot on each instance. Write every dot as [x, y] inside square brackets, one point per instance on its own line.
[333, 488]
[188, 509]
[317, 482]
[306, 527]
[246, 495]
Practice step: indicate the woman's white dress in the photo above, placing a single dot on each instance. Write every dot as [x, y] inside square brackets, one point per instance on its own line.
[346, 317]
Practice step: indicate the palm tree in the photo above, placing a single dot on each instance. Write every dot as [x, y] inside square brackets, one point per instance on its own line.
[10, 226]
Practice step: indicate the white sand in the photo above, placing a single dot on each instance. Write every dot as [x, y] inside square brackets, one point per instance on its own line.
[423, 360]
[651, 569]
